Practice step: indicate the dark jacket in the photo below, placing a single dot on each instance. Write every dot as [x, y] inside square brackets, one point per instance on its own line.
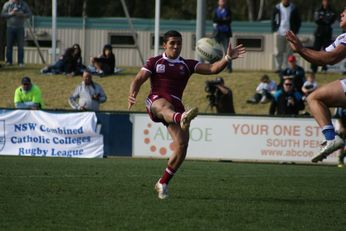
[324, 18]
[224, 102]
[107, 63]
[295, 20]
[222, 21]
[280, 104]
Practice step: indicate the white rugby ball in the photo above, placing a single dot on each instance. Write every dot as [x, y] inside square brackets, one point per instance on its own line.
[209, 49]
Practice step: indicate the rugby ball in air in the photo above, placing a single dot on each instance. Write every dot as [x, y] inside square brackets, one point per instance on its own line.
[209, 49]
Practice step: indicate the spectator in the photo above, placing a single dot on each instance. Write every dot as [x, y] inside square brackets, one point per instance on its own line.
[222, 26]
[264, 91]
[309, 85]
[295, 71]
[88, 95]
[28, 95]
[16, 12]
[325, 16]
[285, 17]
[105, 63]
[224, 98]
[287, 101]
[70, 63]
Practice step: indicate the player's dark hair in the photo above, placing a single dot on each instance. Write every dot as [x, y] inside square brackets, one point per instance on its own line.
[169, 34]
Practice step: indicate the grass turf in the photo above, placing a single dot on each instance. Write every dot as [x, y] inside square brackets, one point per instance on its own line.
[118, 194]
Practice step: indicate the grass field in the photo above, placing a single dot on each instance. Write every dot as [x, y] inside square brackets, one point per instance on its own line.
[57, 88]
[117, 194]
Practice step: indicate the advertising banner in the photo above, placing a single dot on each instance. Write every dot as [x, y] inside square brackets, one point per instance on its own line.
[242, 138]
[39, 133]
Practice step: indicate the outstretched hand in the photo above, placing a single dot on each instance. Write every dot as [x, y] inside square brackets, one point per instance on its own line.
[236, 52]
[294, 41]
[131, 100]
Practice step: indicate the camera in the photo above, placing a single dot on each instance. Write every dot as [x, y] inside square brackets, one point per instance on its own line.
[211, 85]
[95, 96]
[290, 101]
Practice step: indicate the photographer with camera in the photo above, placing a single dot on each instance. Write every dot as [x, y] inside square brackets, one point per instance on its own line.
[88, 95]
[287, 101]
[219, 96]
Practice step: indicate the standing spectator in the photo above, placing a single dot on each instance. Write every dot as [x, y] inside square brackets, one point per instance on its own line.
[325, 16]
[88, 95]
[264, 91]
[287, 101]
[28, 95]
[224, 98]
[105, 63]
[285, 17]
[309, 85]
[222, 26]
[16, 12]
[293, 71]
[70, 63]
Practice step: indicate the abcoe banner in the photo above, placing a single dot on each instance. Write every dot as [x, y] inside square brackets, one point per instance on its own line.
[242, 138]
[39, 133]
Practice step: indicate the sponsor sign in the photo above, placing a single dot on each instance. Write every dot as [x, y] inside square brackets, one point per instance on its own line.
[234, 138]
[39, 133]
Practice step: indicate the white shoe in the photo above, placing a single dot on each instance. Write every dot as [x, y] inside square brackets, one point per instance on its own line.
[187, 117]
[161, 189]
[21, 65]
[264, 99]
[328, 146]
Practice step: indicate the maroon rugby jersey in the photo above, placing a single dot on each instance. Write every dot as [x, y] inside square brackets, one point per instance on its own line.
[169, 76]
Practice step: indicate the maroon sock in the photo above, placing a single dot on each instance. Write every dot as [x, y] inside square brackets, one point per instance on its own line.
[177, 117]
[167, 175]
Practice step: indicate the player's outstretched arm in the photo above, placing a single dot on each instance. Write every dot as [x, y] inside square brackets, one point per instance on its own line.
[215, 68]
[316, 57]
[136, 84]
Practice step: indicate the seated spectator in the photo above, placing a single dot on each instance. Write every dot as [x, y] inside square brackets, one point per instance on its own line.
[309, 85]
[88, 95]
[264, 91]
[287, 101]
[103, 64]
[295, 71]
[28, 95]
[70, 63]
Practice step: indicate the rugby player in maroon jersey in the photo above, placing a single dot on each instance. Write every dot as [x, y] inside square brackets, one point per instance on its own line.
[169, 74]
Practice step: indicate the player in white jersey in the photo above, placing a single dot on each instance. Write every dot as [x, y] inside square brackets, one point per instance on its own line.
[330, 95]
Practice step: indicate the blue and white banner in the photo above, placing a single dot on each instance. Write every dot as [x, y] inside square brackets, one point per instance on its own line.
[39, 133]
